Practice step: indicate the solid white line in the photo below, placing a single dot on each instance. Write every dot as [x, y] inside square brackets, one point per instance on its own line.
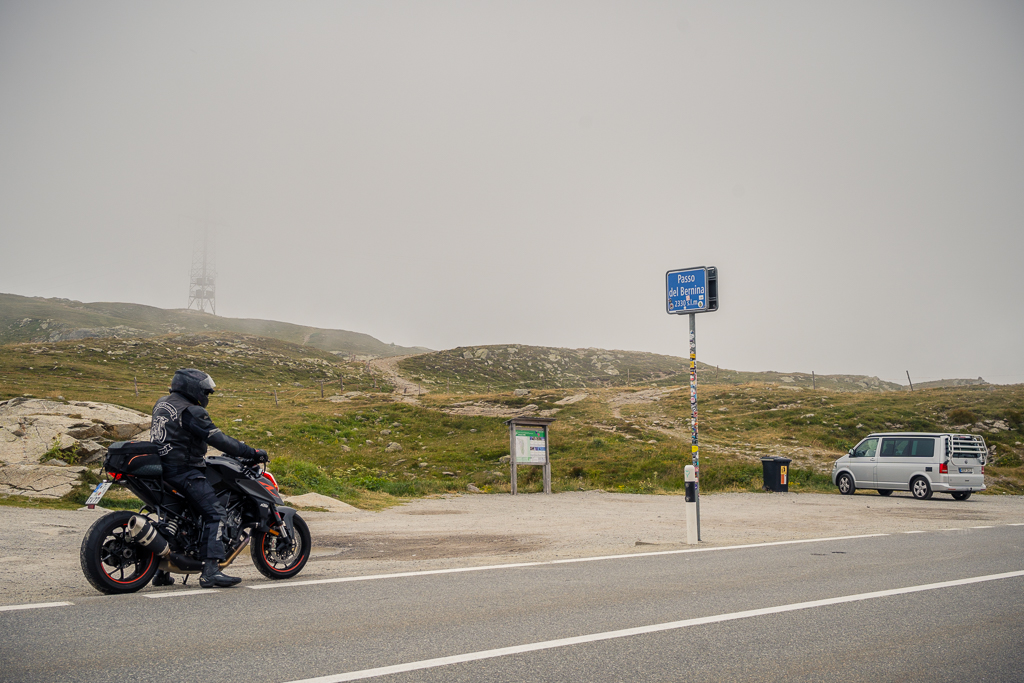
[1018, 524]
[457, 570]
[654, 628]
[37, 605]
[178, 594]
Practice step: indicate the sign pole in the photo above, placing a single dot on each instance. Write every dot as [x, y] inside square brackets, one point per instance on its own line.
[692, 291]
[695, 450]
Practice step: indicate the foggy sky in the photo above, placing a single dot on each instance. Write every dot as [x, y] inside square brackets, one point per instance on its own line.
[461, 173]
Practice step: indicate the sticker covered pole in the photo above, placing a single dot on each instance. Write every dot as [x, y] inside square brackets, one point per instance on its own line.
[694, 447]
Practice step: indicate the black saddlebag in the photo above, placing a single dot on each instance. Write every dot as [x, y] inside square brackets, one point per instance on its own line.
[137, 458]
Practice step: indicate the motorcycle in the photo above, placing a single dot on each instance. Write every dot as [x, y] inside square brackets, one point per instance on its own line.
[123, 550]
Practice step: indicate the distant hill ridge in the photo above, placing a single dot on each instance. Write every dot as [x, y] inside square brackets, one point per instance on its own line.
[36, 319]
[513, 366]
[495, 367]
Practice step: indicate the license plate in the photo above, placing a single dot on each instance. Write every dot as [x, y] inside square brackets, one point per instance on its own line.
[97, 493]
[966, 470]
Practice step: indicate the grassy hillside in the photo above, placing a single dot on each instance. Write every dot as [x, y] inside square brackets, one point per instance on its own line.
[487, 368]
[24, 319]
[617, 438]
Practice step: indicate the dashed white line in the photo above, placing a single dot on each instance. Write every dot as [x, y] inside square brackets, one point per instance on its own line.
[457, 570]
[982, 527]
[654, 628]
[915, 532]
[37, 605]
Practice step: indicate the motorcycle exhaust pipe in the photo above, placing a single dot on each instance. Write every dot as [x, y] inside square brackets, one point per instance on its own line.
[145, 534]
[241, 546]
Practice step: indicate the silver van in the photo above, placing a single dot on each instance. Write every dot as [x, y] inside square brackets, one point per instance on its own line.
[914, 461]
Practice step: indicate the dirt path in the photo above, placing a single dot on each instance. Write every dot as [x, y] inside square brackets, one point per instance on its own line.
[405, 390]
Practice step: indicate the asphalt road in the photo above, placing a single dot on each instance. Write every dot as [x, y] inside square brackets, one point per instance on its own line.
[817, 616]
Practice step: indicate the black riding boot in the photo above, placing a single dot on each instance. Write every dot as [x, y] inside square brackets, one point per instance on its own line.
[213, 578]
[163, 578]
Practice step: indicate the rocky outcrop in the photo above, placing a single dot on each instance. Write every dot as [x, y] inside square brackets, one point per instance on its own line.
[31, 427]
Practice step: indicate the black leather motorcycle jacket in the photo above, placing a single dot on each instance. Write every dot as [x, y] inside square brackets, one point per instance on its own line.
[183, 429]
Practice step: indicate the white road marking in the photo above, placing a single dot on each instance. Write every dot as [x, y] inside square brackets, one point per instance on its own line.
[1018, 524]
[915, 532]
[37, 605]
[178, 594]
[654, 628]
[457, 570]
[982, 527]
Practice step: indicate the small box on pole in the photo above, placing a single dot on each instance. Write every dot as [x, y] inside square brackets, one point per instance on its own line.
[690, 476]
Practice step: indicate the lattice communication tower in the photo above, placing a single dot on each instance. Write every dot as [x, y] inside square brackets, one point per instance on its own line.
[202, 288]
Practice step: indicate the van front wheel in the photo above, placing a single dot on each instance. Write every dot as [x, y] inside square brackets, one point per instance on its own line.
[961, 496]
[921, 489]
[845, 484]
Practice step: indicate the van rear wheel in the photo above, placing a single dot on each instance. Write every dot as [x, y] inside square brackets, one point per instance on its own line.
[921, 489]
[845, 484]
[964, 495]
[885, 492]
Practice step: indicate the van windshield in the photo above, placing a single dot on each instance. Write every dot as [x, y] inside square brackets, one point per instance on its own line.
[908, 448]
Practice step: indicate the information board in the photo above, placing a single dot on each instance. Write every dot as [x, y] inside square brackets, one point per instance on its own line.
[531, 446]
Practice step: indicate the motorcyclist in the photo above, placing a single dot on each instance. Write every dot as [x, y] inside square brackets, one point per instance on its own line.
[183, 429]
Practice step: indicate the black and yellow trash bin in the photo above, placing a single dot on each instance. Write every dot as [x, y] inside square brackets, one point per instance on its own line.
[776, 474]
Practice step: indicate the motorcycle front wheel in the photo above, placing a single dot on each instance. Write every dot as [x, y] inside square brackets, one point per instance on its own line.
[281, 558]
[111, 561]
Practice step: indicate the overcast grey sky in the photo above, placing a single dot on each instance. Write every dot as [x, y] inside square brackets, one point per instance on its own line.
[459, 173]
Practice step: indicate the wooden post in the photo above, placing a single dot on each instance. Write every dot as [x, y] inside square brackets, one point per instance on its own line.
[136, 385]
[909, 380]
[814, 385]
[275, 397]
[321, 388]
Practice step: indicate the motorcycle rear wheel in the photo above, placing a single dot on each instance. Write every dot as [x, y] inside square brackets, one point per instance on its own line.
[111, 562]
[281, 558]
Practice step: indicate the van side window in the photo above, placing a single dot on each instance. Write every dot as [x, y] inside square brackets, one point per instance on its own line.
[866, 449]
[908, 448]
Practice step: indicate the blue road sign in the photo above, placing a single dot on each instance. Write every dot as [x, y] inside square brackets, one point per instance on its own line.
[691, 290]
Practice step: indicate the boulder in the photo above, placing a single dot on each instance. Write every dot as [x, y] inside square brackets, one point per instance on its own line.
[317, 500]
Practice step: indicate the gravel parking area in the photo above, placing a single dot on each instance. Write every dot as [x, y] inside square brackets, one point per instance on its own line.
[39, 549]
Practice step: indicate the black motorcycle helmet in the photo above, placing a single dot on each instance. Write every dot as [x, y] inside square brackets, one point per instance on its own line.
[195, 385]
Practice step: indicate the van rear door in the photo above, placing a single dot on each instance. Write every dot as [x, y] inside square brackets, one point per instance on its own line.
[967, 454]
